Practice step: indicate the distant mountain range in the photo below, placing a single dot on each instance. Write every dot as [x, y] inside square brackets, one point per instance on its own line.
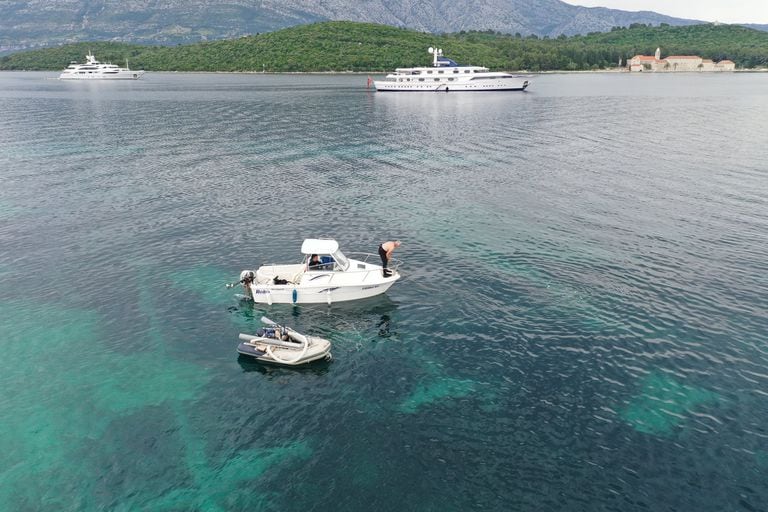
[39, 23]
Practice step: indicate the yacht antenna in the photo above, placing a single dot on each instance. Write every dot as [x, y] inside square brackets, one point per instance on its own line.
[435, 52]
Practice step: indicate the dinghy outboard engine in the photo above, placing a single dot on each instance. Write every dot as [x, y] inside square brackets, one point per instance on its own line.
[246, 279]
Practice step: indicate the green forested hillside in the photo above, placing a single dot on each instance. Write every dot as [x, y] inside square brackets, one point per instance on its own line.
[348, 46]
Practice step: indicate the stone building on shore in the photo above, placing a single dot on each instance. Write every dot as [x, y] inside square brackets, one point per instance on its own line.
[674, 63]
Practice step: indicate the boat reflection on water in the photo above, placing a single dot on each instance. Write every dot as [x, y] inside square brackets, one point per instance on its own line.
[366, 319]
[249, 364]
[384, 326]
[351, 310]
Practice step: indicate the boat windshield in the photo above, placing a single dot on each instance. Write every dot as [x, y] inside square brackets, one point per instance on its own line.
[341, 260]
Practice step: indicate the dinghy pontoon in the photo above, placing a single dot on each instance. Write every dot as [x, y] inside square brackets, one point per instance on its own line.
[278, 344]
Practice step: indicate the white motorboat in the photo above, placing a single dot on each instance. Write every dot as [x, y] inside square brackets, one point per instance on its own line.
[446, 75]
[278, 344]
[95, 70]
[336, 278]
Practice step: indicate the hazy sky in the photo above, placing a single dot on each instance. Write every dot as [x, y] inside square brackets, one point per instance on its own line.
[726, 11]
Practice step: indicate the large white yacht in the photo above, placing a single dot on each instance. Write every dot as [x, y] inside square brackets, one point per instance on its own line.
[95, 70]
[445, 75]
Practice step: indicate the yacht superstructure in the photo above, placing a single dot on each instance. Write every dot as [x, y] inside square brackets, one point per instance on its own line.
[446, 75]
[95, 70]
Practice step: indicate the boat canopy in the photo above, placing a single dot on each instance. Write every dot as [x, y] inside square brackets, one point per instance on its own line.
[325, 246]
[319, 246]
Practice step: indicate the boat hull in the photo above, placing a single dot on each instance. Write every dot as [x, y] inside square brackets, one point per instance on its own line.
[387, 86]
[326, 293]
[96, 76]
[319, 349]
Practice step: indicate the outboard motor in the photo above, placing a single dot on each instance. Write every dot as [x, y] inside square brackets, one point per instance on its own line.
[246, 279]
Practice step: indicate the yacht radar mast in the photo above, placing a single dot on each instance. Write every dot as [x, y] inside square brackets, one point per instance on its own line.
[435, 52]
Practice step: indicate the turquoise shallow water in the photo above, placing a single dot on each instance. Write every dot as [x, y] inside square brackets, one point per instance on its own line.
[581, 324]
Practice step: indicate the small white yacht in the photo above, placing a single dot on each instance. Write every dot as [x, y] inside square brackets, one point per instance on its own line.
[445, 75]
[95, 70]
[333, 277]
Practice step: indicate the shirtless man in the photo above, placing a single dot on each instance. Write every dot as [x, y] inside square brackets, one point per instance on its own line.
[385, 251]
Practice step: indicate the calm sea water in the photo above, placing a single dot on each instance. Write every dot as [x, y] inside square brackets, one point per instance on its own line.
[581, 324]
